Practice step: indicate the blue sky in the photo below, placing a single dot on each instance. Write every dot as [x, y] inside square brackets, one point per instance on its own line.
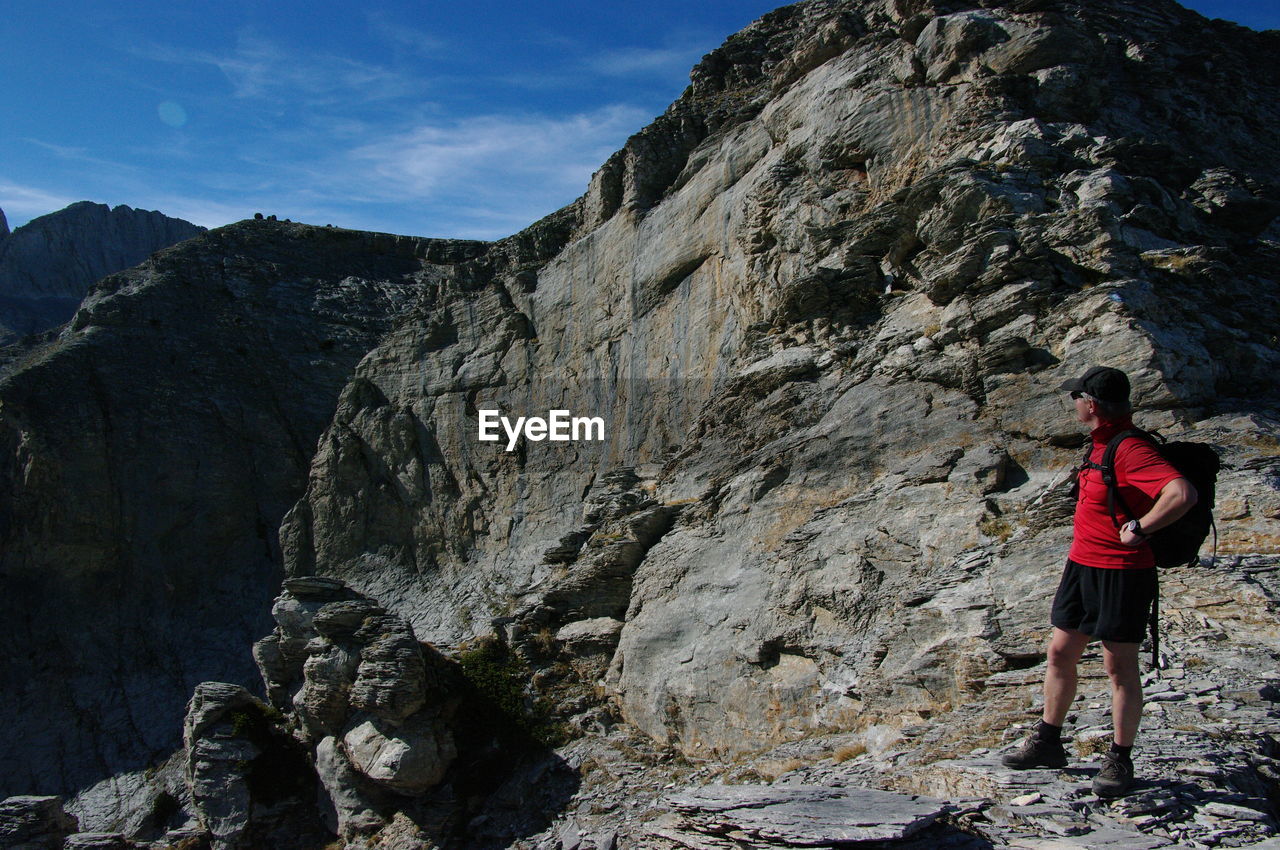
[436, 119]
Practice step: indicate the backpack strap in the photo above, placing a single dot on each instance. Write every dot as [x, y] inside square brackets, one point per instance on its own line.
[1108, 469]
[1154, 625]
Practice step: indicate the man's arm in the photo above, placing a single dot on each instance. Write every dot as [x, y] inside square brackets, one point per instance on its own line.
[1175, 499]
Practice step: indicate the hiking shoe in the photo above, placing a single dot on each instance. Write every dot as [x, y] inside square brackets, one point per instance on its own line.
[1115, 777]
[1036, 752]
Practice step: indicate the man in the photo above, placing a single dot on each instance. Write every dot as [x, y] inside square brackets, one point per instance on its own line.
[1109, 582]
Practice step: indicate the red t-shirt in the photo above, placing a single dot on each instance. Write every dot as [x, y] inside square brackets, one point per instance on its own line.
[1141, 474]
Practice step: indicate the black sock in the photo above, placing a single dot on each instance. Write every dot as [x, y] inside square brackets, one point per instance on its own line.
[1049, 733]
[1124, 752]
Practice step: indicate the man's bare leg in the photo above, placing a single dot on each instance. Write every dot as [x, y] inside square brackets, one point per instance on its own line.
[1043, 747]
[1121, 663]
[1115, 777]
[1065, 648]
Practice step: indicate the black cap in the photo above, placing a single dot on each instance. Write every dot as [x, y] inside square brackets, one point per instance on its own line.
[1101, 382]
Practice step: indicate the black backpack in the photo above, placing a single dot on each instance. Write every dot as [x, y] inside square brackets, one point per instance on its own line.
[1177, 543]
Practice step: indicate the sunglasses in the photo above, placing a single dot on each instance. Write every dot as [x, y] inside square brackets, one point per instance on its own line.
[1077, 395]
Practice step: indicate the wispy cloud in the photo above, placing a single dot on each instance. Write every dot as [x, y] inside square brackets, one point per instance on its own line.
[260, 68]
[483, 177]
[64, 151]
[23, 203]
[78, 154]
[500, 152]
[480, 177]
[404, 37]
[353, 139]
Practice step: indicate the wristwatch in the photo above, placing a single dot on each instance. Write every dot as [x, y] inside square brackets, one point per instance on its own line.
[1135, 527]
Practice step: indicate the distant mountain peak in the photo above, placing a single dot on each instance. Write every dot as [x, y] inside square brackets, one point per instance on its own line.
[48, 264]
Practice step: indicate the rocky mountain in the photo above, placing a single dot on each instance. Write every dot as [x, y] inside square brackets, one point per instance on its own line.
[822, 306]
[48, 264]
[150, 453]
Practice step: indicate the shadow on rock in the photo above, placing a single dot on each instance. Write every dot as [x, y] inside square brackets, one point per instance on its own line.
[508, 781]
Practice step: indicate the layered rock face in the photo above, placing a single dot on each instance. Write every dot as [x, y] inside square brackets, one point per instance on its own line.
[149, 454]
[48, 264]
[823, 305]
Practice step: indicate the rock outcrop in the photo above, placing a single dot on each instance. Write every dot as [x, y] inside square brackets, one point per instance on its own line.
[251, 785]
[360, 691]
[822, 305]
[48, 264]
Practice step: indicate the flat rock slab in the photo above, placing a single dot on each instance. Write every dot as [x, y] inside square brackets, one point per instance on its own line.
[1103, 838]
[96, 841]
[805, 815]
[315, 587]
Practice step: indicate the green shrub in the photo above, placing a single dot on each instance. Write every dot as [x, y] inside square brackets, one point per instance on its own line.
[499, 679]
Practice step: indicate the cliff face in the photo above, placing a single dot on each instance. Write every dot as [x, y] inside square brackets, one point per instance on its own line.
[48, 264]
[826, 332]
[823, 305]
[150, 452]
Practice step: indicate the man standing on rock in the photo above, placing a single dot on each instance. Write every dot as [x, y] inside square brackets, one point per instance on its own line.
[1109, 582]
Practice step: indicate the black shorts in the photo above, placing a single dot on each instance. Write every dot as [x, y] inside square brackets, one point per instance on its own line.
[1105, 604]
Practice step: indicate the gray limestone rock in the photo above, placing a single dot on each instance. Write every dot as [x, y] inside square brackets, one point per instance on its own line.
[368, 701]
[949, 42]
[210, 703]
[1228, 197]
[316, 588]
[139, 803]
[219, 752]
[409, 758]
[802, 816]
[391, 679]
[586, 637]
[96, 841]
[345, 803]
[323, 701]
[342, 619]
[1106, 839]
[249, 783]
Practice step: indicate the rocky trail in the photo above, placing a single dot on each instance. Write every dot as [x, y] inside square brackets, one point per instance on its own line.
[1208, 760]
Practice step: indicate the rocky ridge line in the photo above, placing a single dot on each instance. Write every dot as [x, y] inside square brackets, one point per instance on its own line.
[48, 264]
